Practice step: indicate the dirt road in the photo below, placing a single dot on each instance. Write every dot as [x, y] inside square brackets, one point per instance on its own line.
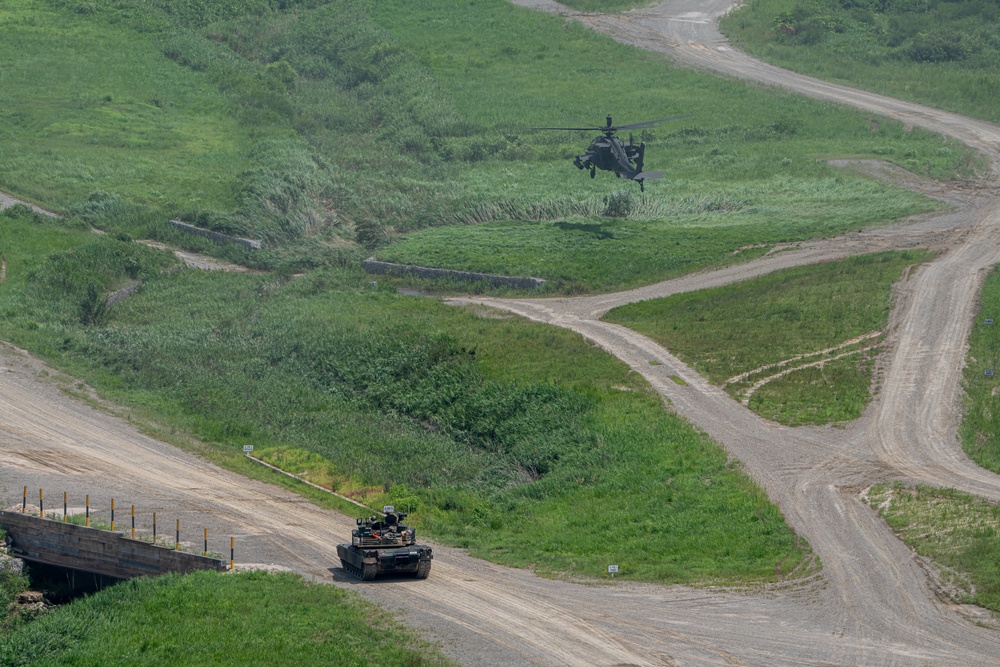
[875, 604]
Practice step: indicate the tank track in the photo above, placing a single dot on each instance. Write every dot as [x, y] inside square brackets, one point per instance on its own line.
[364, 573]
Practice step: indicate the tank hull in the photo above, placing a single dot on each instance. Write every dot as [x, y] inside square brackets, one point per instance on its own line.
[366, 563]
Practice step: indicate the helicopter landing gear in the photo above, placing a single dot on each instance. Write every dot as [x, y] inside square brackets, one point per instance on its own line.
[578, 163]
[642, 188]
[593, 171]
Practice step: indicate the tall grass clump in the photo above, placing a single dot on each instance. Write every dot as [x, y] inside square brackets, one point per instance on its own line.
[249, 618]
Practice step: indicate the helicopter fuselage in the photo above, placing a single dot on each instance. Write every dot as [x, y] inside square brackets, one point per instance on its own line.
[609, 153]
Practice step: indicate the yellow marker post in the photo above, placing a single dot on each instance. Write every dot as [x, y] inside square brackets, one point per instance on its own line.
[206, 542]
[24, 501]
[64, 507]
[112, 515]
[232, 549]
[88, 510]
[133, 522]
[41, 507]
[154, 527]
[177, 540]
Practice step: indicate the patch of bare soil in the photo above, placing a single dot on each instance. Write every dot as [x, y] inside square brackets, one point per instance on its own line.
[194, 260]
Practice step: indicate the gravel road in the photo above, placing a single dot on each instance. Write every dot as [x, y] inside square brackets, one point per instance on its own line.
[875, 603]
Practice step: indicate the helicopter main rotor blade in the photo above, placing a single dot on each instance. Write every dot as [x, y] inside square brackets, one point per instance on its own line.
[585, 129]
[649, 123]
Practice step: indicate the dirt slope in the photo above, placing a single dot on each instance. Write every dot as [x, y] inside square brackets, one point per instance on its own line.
[875, 606]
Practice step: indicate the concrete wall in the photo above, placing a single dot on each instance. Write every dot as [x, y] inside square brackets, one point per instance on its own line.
[216, 236]
[372, 265]
[92, 550]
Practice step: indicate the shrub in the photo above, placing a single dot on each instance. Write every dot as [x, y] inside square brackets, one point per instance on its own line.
[620, 204]
[936, 48]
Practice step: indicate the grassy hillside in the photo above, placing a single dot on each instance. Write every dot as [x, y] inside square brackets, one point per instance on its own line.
[941, 53]
[328, 129]
[497, 432]
[206, 618]
[745, 169]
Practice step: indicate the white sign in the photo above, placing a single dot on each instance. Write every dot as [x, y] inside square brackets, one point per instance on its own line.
[988, 372]
[247, 449]
[612, 569]
[388, 509]
[989, 320]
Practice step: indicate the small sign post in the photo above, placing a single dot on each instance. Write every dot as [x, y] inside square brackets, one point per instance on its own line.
[612, 569]
[388, 509]
[988, 320]
[247, 449]
[988, 372]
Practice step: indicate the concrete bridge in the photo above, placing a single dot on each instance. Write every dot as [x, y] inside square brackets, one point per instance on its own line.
[109, 554]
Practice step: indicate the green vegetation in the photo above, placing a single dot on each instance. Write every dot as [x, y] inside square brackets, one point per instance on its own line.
[321, 127]
[500, 433]
[88, 105]
[729, 184]
[936, 52]
[207, 618]
[603, 254]
[980, 429]
[12, 583]
[957, 531]
[739, 335]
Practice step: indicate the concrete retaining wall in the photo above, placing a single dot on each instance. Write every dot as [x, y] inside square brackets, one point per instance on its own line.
[216, 236]
[372, 265]
[92, 550]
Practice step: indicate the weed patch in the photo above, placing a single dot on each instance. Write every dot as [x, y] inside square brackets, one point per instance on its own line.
[980, 430]
[958, 532]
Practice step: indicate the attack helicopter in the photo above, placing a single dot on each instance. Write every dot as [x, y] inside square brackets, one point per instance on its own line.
[610, 153]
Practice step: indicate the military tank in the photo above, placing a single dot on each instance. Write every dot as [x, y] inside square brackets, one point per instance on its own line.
[385, 546]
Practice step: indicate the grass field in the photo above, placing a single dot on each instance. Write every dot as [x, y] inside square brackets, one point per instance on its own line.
[595, 253]
[729, 184]
[957, 531]
[326, 126]
[251, 618]
[88, 106]
[494, 431]
[981, 427]
[943, 54]
[738, 335]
